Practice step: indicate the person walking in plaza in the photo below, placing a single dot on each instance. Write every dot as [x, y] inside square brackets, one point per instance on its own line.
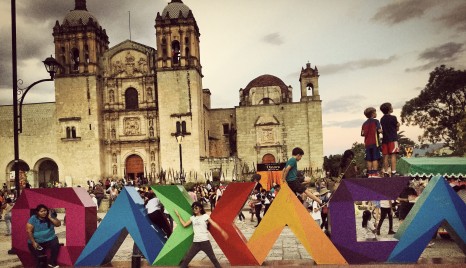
[315, 211]
[390, 149]
[7, 208]
[386, 210]
[370, 131]
[290, 175]
[113, 191]
[406, 199]
[99, 194]
[369, 228]
[324, 197]
[348, 167]
[41, 233]
[199, 220]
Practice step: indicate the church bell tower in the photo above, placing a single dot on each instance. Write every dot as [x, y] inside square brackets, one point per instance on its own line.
[79, 43]
[179, 82]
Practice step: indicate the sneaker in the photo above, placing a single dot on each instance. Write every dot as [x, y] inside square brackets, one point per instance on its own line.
[391, 232]
[376, 175]
[53, 266]
[394, 174]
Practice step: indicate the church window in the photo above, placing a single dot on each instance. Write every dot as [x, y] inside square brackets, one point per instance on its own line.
[73, 132]
[176, 52]
[266, 101]
[131, 98]
[164, 52]
[75, 59]
[188, 56]
[86, 53]
[226, 129]
[310, 87]
[183, 127]
[68, 132]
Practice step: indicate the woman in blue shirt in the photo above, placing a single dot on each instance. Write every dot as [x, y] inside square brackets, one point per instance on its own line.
[41, 234]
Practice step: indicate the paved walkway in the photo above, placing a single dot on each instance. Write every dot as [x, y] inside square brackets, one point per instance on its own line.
[287, 250]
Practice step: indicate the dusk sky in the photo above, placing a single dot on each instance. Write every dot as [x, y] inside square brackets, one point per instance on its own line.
[367, 52]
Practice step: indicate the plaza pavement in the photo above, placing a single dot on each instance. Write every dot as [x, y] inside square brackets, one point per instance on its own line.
[287, 250]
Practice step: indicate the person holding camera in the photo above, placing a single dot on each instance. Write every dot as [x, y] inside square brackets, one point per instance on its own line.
[41, 233]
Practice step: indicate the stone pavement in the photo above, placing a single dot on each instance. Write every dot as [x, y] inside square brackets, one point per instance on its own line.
[287, 250]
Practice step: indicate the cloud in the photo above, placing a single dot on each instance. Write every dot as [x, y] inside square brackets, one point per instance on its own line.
[273, 39]
[400, 11]
[455, 18]
[355, 123]
[344, 104]
[354, 65]
[447, 53]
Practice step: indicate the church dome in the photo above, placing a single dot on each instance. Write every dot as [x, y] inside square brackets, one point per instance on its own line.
[79, 13]
[174, 8]
[266, 80]
[75, 15]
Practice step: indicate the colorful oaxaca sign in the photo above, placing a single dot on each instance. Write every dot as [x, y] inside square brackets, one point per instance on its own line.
[88, 246]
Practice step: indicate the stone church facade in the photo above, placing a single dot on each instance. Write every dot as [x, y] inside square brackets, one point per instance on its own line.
[119, 110]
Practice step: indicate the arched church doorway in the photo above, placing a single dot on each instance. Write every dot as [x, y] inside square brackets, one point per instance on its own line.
[134, 167]
[47, 173]
[268, 158]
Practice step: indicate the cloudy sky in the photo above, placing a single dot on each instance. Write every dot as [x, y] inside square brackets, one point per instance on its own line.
[367, 52]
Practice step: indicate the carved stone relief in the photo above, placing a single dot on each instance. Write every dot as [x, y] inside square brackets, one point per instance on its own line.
[132, 126]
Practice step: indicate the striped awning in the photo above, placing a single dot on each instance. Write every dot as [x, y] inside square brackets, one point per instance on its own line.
[432, 166]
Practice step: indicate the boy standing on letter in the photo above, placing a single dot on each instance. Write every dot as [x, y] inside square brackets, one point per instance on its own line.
[390, 127]
[370, 131]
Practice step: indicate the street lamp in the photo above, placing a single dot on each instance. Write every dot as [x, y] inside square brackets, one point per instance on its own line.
[179, 138]
[51, 65]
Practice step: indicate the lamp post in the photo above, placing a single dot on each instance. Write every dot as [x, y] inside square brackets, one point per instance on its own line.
[51, 65]
[179, 138]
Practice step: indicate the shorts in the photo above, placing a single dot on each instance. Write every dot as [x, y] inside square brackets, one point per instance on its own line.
[390, 148]
[372, 153]
[296, 186]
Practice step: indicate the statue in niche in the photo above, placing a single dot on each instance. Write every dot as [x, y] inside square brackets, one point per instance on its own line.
[114, 158]
[152, 168]
[132, 126]
[113, 133]
[151, 132]
[142, 65]
[115, 170]
[111, 96]
[152, 156]
[149, 93]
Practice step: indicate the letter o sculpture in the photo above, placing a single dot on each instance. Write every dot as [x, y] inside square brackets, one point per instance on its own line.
[79, 208]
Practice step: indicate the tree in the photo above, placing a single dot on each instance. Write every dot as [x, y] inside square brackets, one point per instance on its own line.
[359, 151]
[403, 143]
[332, 164]
[440, 108]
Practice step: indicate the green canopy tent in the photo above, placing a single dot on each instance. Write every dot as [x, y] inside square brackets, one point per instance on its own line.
[431, 166]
